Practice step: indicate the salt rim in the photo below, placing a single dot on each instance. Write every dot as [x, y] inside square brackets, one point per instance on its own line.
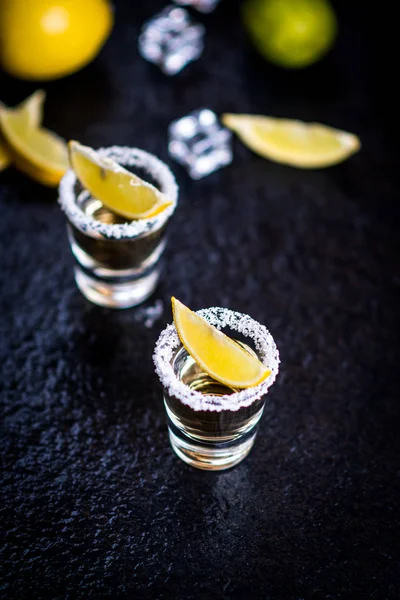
[130, 157]
[219, 317]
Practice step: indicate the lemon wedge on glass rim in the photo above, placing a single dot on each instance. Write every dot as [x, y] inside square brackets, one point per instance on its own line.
[293, 142]
[117, 188]
[31, 110]
[217, 354]
[37, 152]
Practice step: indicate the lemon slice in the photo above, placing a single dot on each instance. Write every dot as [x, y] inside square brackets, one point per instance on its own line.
[118, 189]
[305, 145]
[30, 109]
[216, 353]
[38, 152]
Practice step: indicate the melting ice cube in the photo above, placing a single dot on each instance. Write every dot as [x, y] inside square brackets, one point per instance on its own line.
[204, 6]
[199, 143]
[171, 40]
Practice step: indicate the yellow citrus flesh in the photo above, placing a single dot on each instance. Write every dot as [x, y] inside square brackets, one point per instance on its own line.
[4, 157]
[304, 145]
[118, 189]
[32, 110]
[216, 353]
[38, 152]
[46, 39]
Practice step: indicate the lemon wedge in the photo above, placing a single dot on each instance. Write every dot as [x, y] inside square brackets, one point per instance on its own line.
[38, 152]
[118, 189]
[304, 145]
[4, 158]
[30, 109]
[216, 353]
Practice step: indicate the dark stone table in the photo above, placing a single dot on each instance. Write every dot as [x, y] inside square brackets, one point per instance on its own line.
[93, 501]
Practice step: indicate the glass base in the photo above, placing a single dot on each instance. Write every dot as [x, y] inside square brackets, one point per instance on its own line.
[116, 295]
[210, 456]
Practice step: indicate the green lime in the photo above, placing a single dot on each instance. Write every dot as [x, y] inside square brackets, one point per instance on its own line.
[291, 33]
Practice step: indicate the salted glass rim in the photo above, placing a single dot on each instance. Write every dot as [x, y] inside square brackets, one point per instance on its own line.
[169, 341]
[127, 156]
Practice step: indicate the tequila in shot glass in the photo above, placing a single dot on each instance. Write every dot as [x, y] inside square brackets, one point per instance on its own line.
[117, 261]
[213, 426]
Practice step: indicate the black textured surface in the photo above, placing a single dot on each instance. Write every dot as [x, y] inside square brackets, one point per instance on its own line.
[93, 502]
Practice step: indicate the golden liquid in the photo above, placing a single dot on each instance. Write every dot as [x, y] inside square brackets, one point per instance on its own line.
[114, 254]
[208, 425]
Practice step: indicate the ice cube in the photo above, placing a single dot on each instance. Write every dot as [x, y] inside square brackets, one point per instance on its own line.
[200, 143]
[171, 40]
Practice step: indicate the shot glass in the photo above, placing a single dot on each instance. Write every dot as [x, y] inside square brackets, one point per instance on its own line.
[118, 263]
[212, 426]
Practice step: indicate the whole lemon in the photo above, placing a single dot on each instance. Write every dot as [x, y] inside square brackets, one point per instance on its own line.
[47, 39]
[291, 33]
